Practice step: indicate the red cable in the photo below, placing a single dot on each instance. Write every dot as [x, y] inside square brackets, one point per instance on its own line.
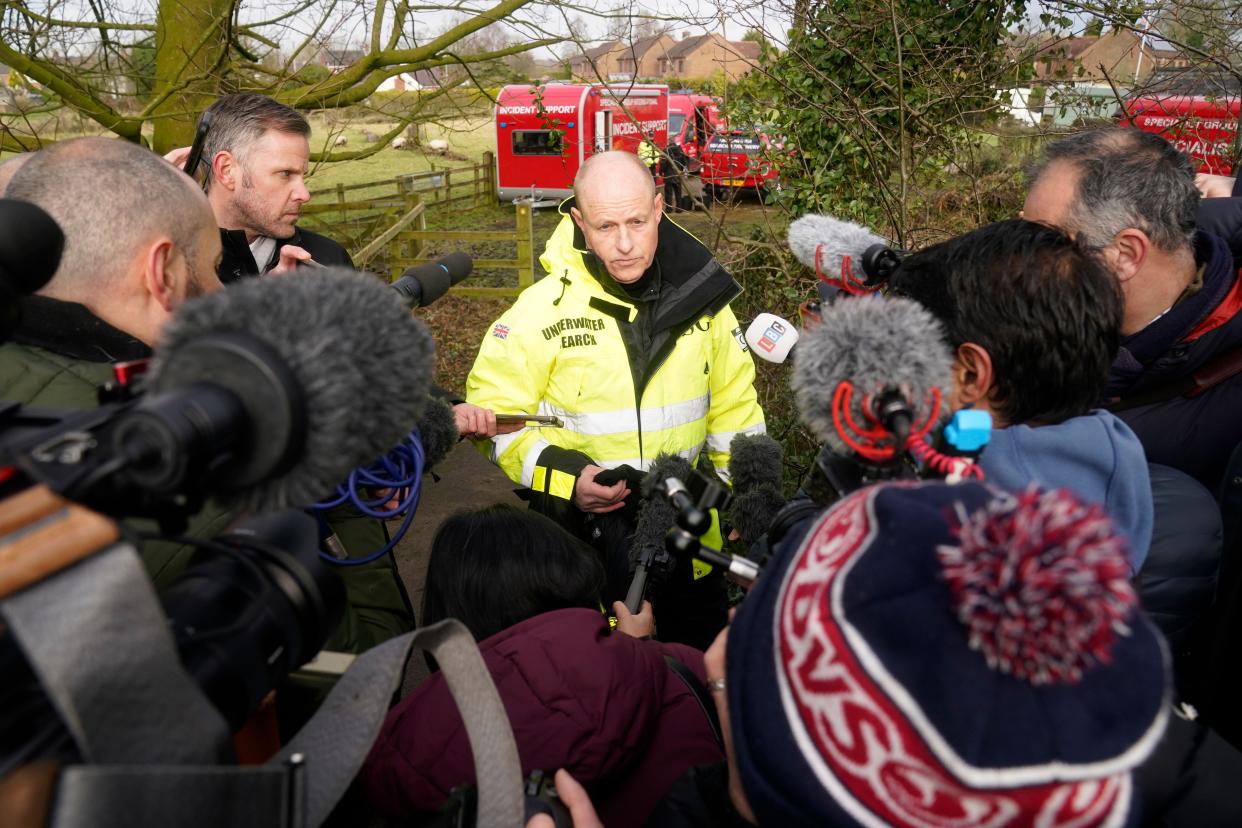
[847, 281]
[864, 441]
[942, 464]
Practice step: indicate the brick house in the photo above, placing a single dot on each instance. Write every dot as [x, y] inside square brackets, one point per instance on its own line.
[1092, 59]
[706, 55]
[620, 60]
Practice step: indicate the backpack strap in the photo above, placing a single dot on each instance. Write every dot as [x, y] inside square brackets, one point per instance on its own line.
[699, 692]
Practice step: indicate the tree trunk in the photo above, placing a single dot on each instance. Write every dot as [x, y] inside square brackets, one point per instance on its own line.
[191, 47]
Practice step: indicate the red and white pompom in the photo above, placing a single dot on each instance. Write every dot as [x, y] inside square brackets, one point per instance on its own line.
[1041, 583]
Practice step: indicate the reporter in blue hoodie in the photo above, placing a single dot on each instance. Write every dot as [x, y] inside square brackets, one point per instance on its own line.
[1034, 322]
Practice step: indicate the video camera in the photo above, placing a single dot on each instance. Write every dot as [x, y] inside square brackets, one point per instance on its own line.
[239, 407]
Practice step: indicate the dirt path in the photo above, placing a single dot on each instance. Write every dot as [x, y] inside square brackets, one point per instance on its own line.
[468, 480]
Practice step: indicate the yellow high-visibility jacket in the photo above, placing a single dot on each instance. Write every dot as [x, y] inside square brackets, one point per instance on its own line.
[648, 153]
[561, 350]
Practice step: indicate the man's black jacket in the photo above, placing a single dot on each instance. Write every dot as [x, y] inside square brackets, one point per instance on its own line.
[237, 262]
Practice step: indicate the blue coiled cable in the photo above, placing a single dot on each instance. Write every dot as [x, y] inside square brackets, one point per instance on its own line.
[400, 470]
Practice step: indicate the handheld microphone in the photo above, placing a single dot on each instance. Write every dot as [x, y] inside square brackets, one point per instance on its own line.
[299, 367]
[656, 517]
[837, 250]
[871, 376]
[437, 429]
[423, 284]
[771, 338]
[756, 469]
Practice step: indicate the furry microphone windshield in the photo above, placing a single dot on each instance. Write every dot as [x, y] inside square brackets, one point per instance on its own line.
[755, 468]
[437, 430]
[656, 516]
[874, 344]
[330, 370]
[845, 255]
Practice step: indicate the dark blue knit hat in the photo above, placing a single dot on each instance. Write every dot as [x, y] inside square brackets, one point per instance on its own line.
[945, 655]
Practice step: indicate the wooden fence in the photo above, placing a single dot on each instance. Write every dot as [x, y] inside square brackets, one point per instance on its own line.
[406, 244]
[388, 220]
[353, 214]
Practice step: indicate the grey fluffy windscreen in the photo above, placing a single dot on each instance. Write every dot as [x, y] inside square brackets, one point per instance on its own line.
[872, 342]
[363, 364]
[836, 238]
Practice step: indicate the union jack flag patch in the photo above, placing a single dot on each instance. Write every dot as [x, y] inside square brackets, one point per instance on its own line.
[501, 331]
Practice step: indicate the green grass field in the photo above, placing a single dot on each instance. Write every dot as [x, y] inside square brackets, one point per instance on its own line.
[468, 137]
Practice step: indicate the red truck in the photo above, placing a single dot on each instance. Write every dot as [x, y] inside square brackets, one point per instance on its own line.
[1203, 129]
[692, 120]
[544, 132]
[738, 160]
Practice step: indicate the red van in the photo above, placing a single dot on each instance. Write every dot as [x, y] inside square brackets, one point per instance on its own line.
[692, 120]
[740, 160]
[1203, 129]
[544, 132]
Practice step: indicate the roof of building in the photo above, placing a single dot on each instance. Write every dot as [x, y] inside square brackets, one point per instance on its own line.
[1066, 47]
[643, 45]
[742, 48]
[595, 52]
[748, 49]
[687, 45]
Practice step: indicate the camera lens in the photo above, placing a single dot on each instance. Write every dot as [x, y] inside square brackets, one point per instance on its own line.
[242, 621]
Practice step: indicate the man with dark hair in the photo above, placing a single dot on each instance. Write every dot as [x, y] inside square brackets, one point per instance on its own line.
[1130, 197]
[1033, 323]
[256, 153]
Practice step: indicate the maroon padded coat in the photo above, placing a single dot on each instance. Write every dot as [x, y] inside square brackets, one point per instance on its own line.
[603, 705]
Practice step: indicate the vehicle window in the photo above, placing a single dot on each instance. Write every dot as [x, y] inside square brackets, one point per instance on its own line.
[538, 142]
[675, 122]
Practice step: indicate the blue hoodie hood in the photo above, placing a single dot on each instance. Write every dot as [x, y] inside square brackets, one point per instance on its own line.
[1096, 456]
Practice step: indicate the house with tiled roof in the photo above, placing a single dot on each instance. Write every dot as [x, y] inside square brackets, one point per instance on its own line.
[595, 63]
[411, 81]
[706, 55]
[621, 60]
[664, 57]
[1118, 55]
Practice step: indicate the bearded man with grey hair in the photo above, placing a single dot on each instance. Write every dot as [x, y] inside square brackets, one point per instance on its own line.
[1130, 197]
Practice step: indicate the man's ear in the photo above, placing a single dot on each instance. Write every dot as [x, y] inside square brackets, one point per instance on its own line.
[972, 374]
[577, 216]
[1128, 253]
[226, 170]
[159, 279]
[657, 205]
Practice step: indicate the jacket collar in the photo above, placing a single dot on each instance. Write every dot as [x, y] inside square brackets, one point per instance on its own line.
[71, 330]
[237, 261]
[692, 282]
[1213, 256]
[1168, 346]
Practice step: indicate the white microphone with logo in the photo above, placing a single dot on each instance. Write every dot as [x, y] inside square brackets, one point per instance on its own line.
[771, 338]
